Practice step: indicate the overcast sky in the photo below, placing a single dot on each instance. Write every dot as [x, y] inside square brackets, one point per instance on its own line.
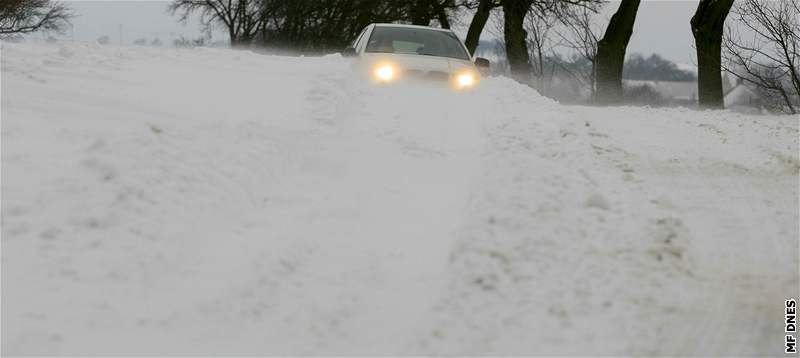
[662, 26]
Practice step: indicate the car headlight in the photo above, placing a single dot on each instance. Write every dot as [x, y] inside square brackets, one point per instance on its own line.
[466, 80]
[384, 72]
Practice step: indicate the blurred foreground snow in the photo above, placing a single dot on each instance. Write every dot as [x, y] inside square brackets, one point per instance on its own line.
[204, 202]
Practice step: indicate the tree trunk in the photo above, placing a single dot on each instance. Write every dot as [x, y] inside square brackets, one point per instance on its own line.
[611, 53]
[516, 47]
[234, 38]
[264, 40]
[540, 68]
[788, 101]
[420, 12]
[707, 27]
[441, 15]
[477, 24]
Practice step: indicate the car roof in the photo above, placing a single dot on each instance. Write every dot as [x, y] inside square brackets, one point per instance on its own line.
[411, 26]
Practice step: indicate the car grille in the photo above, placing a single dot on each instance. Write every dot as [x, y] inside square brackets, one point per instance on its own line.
[432, 76]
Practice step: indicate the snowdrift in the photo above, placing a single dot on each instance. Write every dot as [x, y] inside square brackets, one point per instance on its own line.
[203, 202]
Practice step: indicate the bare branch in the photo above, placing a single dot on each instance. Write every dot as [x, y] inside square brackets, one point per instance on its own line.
[769, 61]
[26, 16]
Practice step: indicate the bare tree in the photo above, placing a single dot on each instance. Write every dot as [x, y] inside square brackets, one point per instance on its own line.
[483, 8]
[514, 13]
[514, 35]
[26, 16]
[540, 45]
[241, 18]
[611, 49]
[422, 12]
[707, 27]
[580, 33]
[771, 59]
[322, 25]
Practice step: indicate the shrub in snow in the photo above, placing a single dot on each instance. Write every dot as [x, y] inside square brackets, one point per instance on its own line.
[13, 38]
[185, 42]
[643, 95]
[65, 51]
[597, 201]
[182, 42]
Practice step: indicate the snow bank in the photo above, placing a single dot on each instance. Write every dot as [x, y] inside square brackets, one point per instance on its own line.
[200, 201]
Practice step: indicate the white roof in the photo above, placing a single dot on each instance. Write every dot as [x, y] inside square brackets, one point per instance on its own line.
[741, 94]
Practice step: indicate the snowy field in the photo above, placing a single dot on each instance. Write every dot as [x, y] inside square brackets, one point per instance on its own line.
[202, 202]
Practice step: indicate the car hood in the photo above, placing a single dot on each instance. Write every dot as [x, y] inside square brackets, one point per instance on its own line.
[420, 62]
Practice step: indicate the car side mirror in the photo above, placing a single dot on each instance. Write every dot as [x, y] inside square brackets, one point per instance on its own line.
[349, 52]
[482, 64]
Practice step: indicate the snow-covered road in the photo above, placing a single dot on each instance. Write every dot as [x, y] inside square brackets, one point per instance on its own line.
[160, 201]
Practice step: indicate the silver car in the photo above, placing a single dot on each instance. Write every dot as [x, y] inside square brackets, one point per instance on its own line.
[391, 53]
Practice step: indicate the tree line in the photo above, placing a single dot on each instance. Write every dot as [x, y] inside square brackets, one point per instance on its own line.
[769, 60]
[323, 25]
[310, 25]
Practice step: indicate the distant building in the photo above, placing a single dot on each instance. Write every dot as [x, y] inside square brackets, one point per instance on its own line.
[679, 93]
[743, 98]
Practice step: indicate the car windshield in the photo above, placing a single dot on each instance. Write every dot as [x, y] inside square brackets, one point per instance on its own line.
[416, 41]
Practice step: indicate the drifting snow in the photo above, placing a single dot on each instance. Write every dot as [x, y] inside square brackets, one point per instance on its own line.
[220, 202]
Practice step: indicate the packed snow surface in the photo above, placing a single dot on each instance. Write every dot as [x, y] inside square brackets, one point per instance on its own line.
[203, 202]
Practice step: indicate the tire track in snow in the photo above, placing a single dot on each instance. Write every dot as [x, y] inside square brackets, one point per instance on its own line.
[529, 280]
